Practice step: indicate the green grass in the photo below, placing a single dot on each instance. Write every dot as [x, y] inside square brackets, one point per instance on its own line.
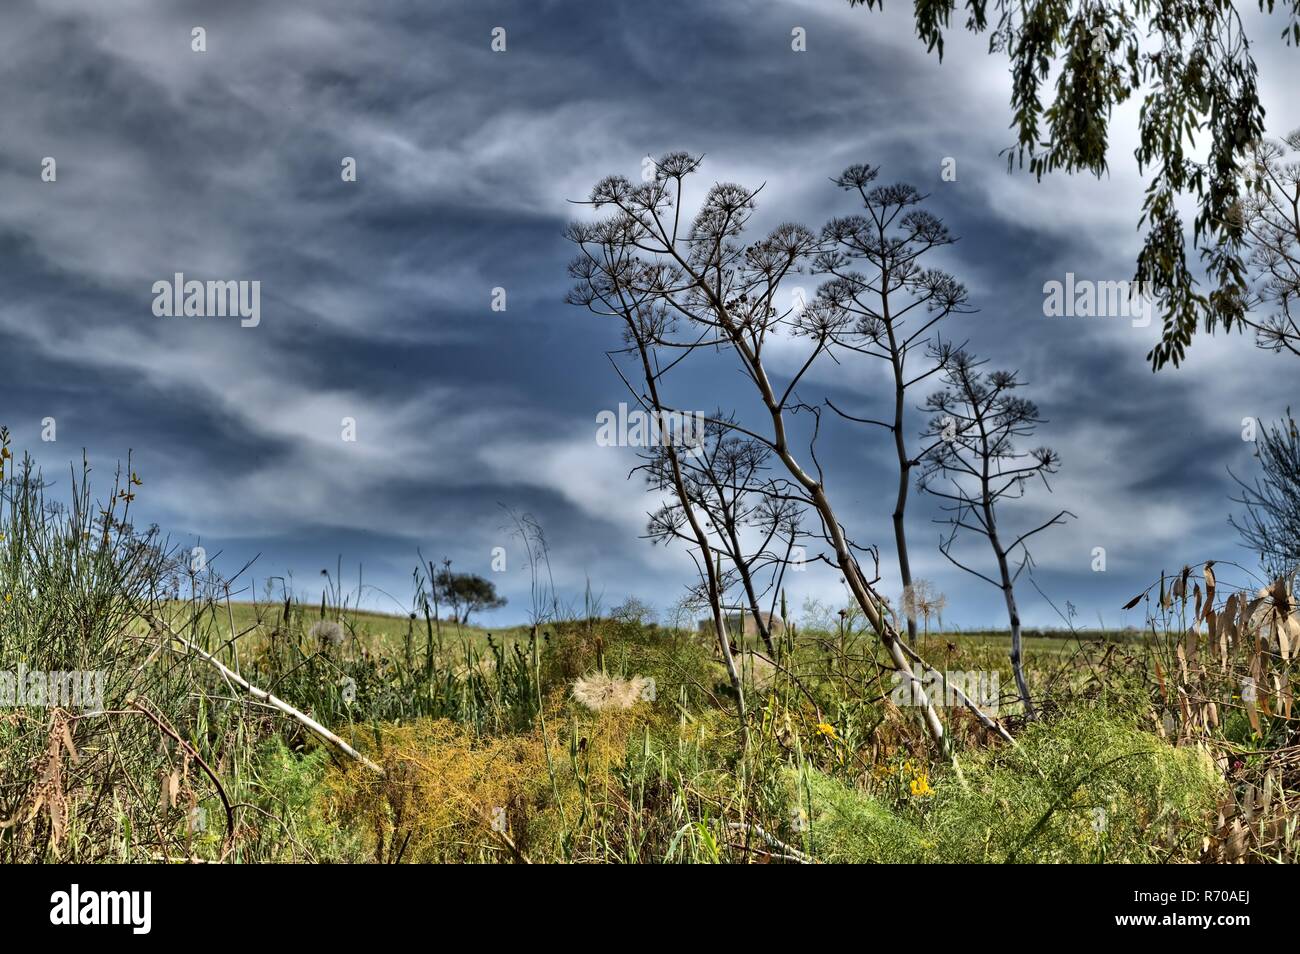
[828, 762]
[1087, 786]
[375, 630]
[389, 630]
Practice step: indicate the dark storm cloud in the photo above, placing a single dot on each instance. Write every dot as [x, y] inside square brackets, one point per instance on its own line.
[225, 165]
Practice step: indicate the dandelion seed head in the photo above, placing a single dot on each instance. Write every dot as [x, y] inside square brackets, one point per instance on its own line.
[599, 691]
[326, 632]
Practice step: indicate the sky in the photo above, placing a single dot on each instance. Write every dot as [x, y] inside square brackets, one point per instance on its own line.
[376, 295]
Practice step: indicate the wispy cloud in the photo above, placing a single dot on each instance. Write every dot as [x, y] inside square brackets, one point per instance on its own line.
[377, 294]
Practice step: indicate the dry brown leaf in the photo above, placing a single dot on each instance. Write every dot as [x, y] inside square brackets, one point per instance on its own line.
[1253, 713]
[1289, 636]
[66, 737]
[1234, 846]
[1248, 608]
[170, 788]
[1281, 599]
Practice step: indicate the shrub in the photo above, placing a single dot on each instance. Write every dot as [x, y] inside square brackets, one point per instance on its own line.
[81, 780]
[291, 822]
[444, 787]
[1086, 786]
[845, 824]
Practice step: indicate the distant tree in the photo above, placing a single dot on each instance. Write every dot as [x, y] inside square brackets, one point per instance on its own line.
[1191, 62]
[975, 464]
[893, 307]
[1271, 523]
[633, 611]
[466, 593]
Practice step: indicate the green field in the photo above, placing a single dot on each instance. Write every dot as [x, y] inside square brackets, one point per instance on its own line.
[309, 733]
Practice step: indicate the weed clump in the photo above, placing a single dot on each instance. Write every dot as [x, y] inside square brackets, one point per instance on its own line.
[1087, 786]
[846, 824]
[450, 795]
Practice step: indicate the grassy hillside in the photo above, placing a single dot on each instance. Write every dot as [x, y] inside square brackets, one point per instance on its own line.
[288, 732]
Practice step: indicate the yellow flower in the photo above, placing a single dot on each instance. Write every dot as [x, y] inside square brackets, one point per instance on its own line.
[921, 786]
[826, 729]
